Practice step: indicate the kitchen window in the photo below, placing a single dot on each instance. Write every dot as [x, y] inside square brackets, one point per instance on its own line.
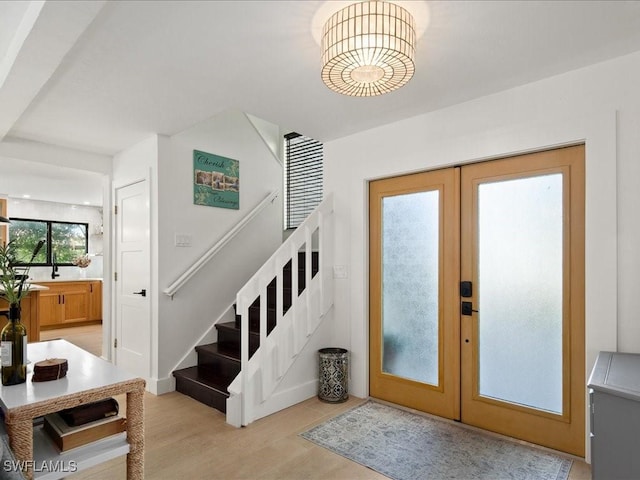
[64, 241]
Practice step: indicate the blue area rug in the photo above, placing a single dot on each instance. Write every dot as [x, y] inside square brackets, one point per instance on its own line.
[406, 446]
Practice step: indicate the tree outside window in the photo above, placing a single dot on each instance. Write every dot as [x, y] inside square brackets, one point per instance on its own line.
[69, 241]
[25, 235]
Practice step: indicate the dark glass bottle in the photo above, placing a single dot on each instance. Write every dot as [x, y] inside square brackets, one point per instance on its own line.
[14, 349]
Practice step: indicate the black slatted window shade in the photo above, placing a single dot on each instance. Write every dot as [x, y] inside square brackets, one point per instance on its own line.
[304, 177]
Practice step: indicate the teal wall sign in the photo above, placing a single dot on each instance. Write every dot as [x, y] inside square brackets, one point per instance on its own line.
[216, 180]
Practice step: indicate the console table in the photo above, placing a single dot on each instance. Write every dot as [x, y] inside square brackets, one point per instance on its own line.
[614, 391]
[89, 379]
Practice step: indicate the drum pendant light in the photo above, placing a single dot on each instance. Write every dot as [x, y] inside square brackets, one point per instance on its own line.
[368, 49]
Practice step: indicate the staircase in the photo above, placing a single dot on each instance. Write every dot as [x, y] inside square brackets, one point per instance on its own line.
[220, 363]
[278, 312]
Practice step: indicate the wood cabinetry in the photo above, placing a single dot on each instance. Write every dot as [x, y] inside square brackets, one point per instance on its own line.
[68, 303]
[64, 302]
[3, 228]
[95, 300]
[29, 313]
[48, 306]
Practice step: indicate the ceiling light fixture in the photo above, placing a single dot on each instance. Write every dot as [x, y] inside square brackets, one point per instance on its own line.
[368, 49]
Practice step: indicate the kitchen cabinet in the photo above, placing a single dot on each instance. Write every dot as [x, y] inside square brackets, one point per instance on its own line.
[69, 303]
[48, 306]
[95, 300]
[64, 302]
[28, 314]
[614, 397]
[3, 228]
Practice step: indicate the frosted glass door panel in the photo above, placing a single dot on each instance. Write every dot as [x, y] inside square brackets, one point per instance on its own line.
[410, 286]
[520, 256]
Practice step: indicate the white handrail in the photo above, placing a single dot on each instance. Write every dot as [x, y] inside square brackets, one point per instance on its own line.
[209, 254]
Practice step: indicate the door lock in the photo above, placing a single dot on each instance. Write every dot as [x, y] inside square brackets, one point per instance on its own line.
[142, 292]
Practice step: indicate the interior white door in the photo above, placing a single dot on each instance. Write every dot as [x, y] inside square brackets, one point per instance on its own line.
[133, 312]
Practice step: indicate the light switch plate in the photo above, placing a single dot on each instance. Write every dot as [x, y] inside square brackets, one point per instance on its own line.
[339, 271]
[183, 240]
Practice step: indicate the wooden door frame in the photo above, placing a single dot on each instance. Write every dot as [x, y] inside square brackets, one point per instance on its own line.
[491, 415]
[578, 341]
[443, 399]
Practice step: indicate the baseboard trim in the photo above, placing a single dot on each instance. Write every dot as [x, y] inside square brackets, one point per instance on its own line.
[281, 400]
[162, 385]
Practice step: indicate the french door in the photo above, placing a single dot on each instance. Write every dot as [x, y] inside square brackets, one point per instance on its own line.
[477, 295]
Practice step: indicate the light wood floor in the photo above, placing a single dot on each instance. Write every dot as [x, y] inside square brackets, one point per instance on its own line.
[186, 439]
[88, 337]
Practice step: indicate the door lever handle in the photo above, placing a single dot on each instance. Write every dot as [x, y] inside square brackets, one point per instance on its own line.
[142, 292]
[467, 309]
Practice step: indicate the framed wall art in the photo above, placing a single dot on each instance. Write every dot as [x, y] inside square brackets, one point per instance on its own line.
[216, 180]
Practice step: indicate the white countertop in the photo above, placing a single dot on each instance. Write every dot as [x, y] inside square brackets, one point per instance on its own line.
[32, 287]
[49, 280]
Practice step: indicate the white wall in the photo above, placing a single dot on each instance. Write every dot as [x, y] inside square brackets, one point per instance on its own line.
[38, 210]
[191, 313]
[19, 148]
[598, 105]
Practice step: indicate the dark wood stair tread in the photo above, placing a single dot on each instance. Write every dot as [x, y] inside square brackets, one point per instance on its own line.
[231, 326]
[205, 377]
[204, 385]
[232, 354]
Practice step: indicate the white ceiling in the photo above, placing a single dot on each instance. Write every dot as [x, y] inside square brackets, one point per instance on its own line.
[100, 76]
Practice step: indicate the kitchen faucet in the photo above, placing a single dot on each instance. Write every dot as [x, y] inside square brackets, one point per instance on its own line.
[54, 269]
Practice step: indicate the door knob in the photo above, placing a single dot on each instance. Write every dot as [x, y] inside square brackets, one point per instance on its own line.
[142, 292]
